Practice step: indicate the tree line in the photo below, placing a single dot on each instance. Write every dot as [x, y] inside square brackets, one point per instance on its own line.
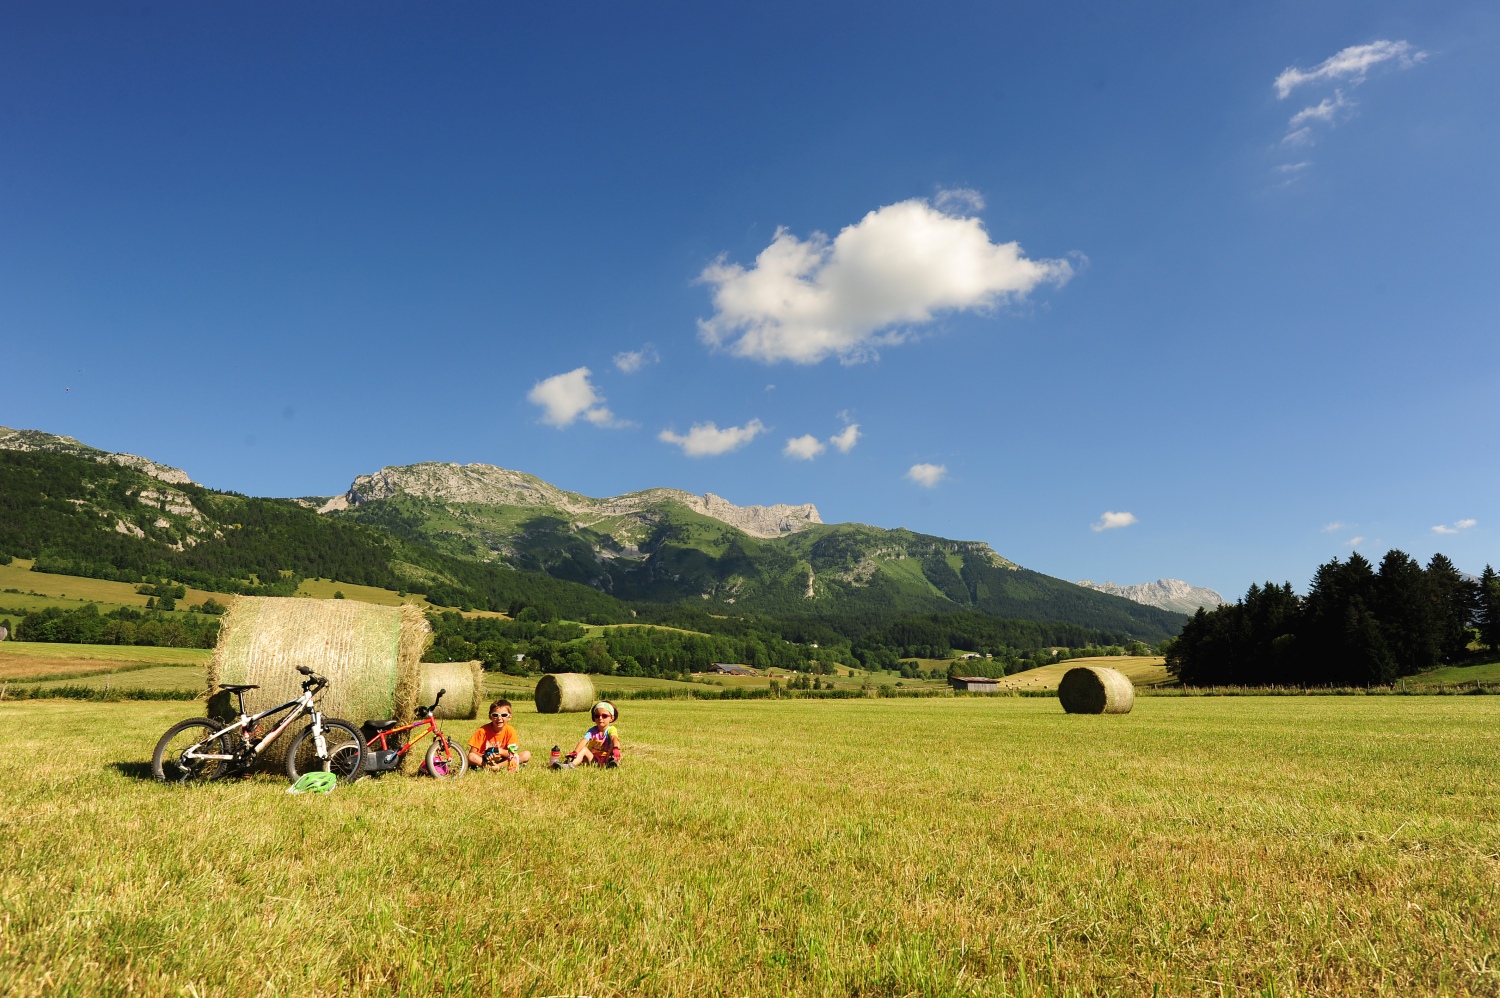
[124, 626]
[1358, 625]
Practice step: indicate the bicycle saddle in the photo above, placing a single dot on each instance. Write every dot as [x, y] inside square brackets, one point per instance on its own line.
[382, 725]
[232, 688]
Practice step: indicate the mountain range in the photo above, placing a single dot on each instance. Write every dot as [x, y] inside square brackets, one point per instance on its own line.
[491, 537]
[1169, 594]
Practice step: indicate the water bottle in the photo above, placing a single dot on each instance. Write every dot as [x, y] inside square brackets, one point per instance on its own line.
[514, 762]
[556, 757]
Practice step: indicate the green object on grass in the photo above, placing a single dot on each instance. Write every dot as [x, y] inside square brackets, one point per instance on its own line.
[314, 783]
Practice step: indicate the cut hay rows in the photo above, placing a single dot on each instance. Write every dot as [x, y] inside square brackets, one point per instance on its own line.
[371, 656]
[1092, 689]
[563, 693]
[464, 682]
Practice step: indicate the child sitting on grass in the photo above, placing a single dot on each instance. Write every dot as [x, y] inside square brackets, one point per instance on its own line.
[600, 745]
[489, 746]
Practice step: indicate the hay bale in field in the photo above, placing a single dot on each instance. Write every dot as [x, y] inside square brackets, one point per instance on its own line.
[1090, 689]
[464, 682]
[564, 693]
[370, 654]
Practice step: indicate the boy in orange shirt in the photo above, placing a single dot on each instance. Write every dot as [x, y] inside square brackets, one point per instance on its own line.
[489, 745]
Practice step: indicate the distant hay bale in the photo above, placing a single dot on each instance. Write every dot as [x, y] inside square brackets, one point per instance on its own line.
[371, 656]
[564, 693]
[1090, 689]
[464, 682]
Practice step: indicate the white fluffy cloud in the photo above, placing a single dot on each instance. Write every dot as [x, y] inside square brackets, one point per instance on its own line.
[631, 361]
[1454, 528]
[707, 440]
[1335, 526]
[804, 448]
[566, 397]
[927, 475]
[1353, 64]
[899, 266]
[1113, 521]
[846, 438]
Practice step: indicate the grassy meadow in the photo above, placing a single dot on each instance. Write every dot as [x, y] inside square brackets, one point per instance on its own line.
[67, 591]
[1213, 846]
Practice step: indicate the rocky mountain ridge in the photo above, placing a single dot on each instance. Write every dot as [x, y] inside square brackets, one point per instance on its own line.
[488, 485]
[51, 443]
[1169, 594]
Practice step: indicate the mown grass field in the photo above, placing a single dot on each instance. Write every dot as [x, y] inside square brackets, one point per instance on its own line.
[1214, 846]
[27, 660]
[1139, 669]
[70, 590]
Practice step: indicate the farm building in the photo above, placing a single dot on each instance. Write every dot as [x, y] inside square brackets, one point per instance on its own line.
[728, 669]
[974, 684]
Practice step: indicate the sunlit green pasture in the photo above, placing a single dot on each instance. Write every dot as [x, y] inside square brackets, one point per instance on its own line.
[1286, 846]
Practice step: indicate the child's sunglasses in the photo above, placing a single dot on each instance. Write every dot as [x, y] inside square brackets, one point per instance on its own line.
[499, 716]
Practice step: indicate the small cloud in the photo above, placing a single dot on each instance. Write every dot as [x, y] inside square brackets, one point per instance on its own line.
[1290, 168]
[804, 448]
[1113, 521]
[927, 475]
[566, 397]
[707, 440]
[1352, 64]
[631, 361]
[846, 439]
[959, 201]
[1336, 526]
[1454, 528]
[1354, 542]
[770, 388]
[1323, 111]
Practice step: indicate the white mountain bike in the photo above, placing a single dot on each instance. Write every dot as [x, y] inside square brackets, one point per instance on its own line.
[200, 749]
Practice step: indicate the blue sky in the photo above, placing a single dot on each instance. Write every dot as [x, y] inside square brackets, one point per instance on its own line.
[1251, 301]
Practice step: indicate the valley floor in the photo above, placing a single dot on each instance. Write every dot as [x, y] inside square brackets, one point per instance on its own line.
[1318, 846]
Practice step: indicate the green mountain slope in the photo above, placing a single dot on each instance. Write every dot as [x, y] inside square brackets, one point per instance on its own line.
[668, 546]
[78, 515]
[498, 539]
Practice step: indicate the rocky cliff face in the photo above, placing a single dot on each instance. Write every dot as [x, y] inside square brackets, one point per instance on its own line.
[1169, 594]
[36, 440]
[485, 484]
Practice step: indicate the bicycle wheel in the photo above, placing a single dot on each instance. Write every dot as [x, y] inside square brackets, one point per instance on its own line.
[343, 758]
[167, 763]
[446, 758]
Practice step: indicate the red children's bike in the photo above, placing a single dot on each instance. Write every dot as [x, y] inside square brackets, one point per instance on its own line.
[387, 743]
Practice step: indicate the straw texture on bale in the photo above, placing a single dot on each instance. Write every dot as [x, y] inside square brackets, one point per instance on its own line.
[371, 656]
[464, 682]
[1090, 689]
[564, 693]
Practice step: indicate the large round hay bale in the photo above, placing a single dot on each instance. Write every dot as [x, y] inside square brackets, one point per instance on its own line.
[1090, 689]
[370, 654]
[464, 682]
[564, 693]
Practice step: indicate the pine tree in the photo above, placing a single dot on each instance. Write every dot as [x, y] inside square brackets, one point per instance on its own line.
[1402, 606]
[1453, 600]
[1488, 615]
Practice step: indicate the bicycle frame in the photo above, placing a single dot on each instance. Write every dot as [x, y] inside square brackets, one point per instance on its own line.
[303, 706]
[428, 724]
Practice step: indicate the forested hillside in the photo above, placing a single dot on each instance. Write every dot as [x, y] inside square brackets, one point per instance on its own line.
[77, 516]
[662, 561]
[660, 550]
